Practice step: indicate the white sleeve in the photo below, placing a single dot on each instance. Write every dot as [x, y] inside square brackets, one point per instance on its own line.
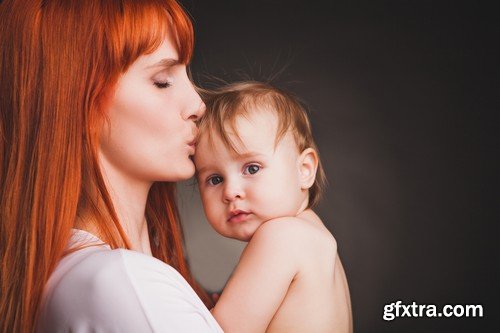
[123, 291]
[168, 301]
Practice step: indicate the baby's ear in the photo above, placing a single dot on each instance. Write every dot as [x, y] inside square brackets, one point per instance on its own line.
[308, 164]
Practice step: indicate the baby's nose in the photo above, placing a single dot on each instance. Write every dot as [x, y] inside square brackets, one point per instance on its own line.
[232, 192]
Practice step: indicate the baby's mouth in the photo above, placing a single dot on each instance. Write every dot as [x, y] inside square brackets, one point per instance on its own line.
[237, 216]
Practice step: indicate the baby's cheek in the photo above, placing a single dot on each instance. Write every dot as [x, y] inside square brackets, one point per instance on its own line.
[213, 213]
[279, 204]
[218, 225]
[207, 205]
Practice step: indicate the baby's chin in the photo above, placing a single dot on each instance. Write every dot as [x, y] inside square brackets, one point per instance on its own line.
[243, 235]
[246, 238]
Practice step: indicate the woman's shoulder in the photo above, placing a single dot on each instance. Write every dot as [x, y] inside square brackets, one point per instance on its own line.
[95, 265]
[86, 287]
[101, 270]
[98, 269]
[118, 290]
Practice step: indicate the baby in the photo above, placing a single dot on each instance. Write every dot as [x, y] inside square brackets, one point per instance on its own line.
[259, 176]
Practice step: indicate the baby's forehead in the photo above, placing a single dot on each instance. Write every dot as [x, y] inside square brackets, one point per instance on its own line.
[257, 118]
[251, 132]
[255, 131]
[258, 124]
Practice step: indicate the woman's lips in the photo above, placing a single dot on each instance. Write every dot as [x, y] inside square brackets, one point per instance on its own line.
[192, 147]
[238, 217]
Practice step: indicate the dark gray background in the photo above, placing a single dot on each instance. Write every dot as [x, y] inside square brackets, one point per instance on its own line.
[402, 96]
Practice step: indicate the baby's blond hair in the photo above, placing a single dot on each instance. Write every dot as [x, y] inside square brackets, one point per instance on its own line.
[225, 104]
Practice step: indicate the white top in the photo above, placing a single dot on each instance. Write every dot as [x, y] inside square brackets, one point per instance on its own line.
[97, 289]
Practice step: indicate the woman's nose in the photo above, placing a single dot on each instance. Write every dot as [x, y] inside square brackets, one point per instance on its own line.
[196, 107]
[232, 191]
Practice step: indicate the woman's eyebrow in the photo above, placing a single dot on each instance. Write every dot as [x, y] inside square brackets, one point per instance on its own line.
[166, 62]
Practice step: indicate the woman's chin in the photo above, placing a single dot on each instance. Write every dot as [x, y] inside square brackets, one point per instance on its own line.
[185, 172]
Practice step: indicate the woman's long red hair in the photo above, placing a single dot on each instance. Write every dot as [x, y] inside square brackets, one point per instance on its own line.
[59, 63]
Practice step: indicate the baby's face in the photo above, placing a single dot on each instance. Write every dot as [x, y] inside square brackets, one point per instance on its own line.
[240, 192]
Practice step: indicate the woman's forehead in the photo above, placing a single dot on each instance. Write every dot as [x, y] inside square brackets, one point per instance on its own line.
[165, 55]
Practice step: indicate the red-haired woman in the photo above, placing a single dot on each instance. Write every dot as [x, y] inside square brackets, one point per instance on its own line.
[97, 122]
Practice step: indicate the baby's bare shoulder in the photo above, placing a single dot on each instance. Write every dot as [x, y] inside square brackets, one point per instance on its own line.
[297, 233]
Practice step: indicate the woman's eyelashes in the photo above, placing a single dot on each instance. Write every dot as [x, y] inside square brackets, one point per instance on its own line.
[163, 79]
[162, 84]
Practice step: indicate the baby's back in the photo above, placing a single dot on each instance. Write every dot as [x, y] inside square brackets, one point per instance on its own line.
[318, 298]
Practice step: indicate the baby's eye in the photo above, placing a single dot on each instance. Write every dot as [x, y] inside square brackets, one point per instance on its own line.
[251, 169]
[214, 180]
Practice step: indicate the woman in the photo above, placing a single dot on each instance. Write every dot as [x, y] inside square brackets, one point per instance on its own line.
[97, 122]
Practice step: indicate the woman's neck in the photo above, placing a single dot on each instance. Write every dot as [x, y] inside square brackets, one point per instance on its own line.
[130, 205]
[129, 198]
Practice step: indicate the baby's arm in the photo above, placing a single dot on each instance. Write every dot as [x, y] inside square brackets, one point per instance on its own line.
[261, 280]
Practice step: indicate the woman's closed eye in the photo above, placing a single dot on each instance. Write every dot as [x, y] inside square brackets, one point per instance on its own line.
[251, 169]
[214, 180]
[162, 84]
[163, 79]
